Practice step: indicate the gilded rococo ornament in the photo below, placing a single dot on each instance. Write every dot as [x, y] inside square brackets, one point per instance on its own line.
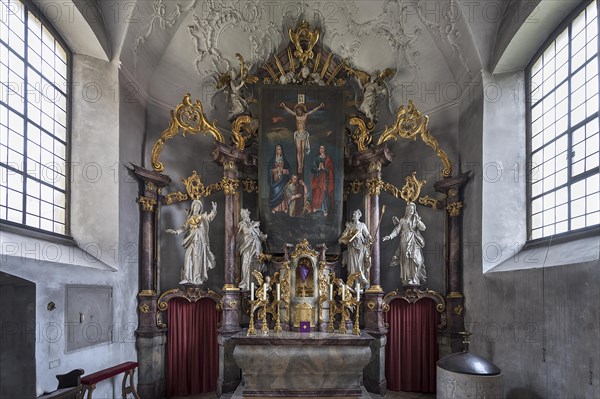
[412, 188]
[304, 40]
[410, 123]
[189, 118]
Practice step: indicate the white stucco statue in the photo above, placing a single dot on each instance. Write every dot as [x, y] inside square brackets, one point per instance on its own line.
[236, 104]
[358, 255]
[371, 89]
[249, 246]
[409, 255]
[198, 258]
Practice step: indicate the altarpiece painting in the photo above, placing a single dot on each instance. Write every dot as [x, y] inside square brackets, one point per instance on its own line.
[301, 170]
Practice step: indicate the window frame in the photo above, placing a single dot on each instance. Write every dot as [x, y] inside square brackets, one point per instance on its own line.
[23, 228]
[580, 232]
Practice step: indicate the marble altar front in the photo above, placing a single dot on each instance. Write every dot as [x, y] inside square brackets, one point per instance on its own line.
[289, 364]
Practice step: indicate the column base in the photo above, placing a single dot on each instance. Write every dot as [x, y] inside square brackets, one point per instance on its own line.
[229, 372]
[373, 313]
[151, 358]
[374, 374]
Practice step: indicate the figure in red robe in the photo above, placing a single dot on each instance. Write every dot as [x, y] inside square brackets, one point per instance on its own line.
[322, 183]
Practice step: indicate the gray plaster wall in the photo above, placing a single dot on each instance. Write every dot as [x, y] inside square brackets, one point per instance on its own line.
[540, 325]
[36, 260]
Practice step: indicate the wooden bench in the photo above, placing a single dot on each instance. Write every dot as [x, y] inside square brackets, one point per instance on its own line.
[128, 369]
[69, 386]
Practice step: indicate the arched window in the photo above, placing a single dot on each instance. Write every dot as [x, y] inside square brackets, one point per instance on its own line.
[34, 120]
[563, 140]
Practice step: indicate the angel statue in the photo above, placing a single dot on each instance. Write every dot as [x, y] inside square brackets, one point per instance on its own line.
[249, 246]
[358, 255]
[198, 258]
[233, 85]
[409, 255]
[264, 284]
[372, 87]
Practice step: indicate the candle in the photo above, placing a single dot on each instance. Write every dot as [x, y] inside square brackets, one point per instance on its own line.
[251, 291]
[278, 292]
[331, 292]
[357, 291]
[264, 292]
[343, 292]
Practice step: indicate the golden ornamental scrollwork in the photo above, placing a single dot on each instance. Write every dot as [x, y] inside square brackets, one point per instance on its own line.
[408, 125]
[250, 186]
[374, 186]
[147, 203]
[175, 197]
[303, 34]
[196, 189]
[428, 201]
[454, 208]
[229, 186]
[187, 117]
[458, 309]
[194, 186]
[412, 188]
[303, 248]
[233, 304]
[371, 305]
[236, 129]
[362, 134]
[144, 308]
[150, 186]
[391, 189]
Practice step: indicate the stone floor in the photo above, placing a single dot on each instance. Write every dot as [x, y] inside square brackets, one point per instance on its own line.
[390, 395]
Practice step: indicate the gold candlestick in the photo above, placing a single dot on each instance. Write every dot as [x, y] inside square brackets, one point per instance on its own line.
[344, 317]
[330, 327]
[265, 327]
[251, 328]
[277, 328]
[356, 328]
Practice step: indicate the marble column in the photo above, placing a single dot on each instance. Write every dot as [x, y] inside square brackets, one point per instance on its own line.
[150, 339]
[455, 300]
[368, 165]
[231, 159]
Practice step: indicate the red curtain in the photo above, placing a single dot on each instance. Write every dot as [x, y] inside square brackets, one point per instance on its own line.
[192, 348]
[412, 349]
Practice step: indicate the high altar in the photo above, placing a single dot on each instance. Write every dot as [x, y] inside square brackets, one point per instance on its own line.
[294, 319]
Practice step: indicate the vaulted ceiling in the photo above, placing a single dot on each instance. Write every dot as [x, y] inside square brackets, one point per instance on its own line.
[179, 46]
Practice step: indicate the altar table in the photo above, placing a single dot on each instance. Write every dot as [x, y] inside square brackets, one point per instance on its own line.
[294, 364]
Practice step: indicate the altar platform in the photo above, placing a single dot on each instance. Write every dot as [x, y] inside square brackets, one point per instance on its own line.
[294, 364]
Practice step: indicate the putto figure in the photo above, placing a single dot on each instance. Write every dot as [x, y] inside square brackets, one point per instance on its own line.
[301, 135]
[249, 246]
[409, 255]
[198, 258]
[358, 255]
